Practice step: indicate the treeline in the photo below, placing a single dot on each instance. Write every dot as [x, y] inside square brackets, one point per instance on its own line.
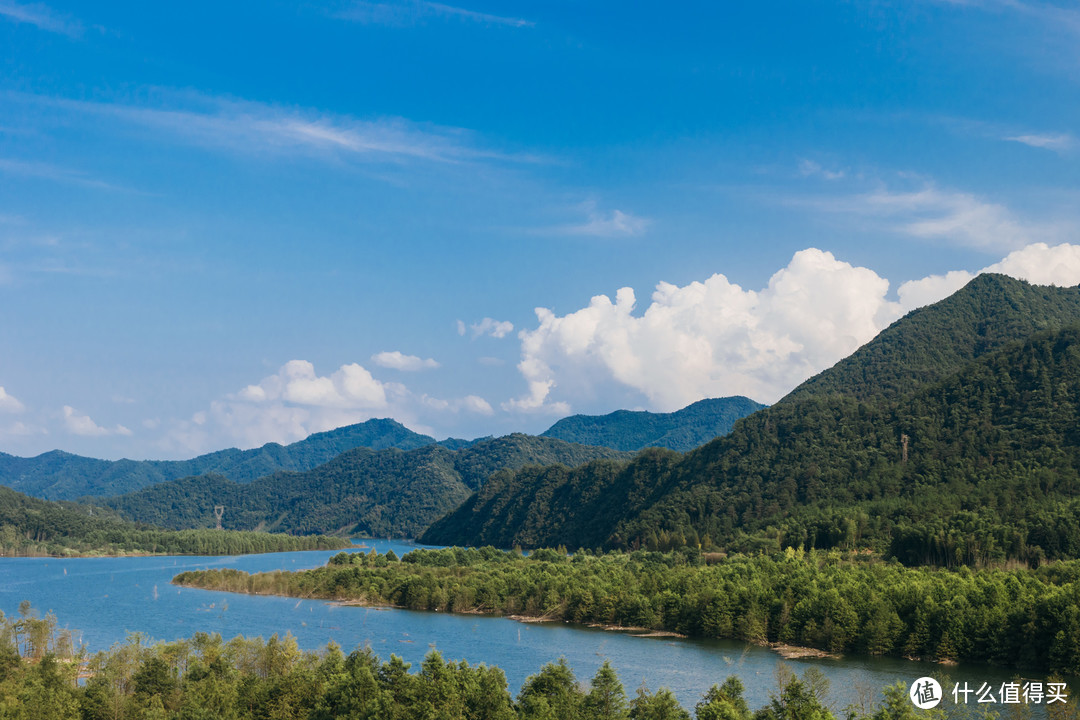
[29, 526]
[385, 493]
[979, 468]
[827, 600]
[252, 679]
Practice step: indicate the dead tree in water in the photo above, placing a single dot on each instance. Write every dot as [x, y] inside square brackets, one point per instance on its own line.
[219, 511]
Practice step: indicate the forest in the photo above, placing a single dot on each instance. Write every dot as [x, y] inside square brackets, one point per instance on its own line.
[837, 602]
[205, 677]
[30, 527]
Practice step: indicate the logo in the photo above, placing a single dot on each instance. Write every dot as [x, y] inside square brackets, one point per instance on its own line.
[925, 693]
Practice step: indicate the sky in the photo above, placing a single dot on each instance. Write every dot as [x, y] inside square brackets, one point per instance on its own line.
[229, 224]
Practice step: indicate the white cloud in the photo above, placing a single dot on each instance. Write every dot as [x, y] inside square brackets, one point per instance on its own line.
[78, 423]
[714, 338]
[40, 16]
[409, 13]
[8, 403]
[406, 363]
[1060, 142]
[607, 225]
[489, 326]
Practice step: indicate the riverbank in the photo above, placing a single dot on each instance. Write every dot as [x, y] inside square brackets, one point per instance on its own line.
[830, 603]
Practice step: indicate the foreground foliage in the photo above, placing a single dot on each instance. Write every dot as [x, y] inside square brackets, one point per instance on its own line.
[828, 600]
[243, 679]
[29, 526]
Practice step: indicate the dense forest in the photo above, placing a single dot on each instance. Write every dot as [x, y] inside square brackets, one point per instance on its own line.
[205, 678]
[361, 492]
[976, 465]
[58, 475]
[29, 526]
[837, 602]
[631, 430]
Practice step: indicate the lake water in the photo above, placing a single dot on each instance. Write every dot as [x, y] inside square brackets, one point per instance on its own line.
[104, 599]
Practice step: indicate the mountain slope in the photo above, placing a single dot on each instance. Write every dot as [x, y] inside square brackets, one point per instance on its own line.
[57, 475]
[383, 493]
[681, 430]
[30, 526]
[934, 341]
[991, 470]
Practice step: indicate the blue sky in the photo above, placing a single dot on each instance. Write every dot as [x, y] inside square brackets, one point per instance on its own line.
[222, 226]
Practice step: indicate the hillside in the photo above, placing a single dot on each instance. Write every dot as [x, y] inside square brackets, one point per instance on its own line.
[30, 526]
[361, 492]
[58, 475]
[631, 430]
[937, 340]
[992, 469]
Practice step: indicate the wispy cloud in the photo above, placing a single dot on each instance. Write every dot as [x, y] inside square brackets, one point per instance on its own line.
[258, 128]
[600, 224]
[488, 326]
[809, 168]
[1061, 142]
[40, 16]
[930, 212]
[45, 171]
[409, 13]
[78, 423]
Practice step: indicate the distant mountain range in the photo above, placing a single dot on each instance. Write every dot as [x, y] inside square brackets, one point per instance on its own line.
[58, 475]
[952, 437]
[361, 492]
[632, 430]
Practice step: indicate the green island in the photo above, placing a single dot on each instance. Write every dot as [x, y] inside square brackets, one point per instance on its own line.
[832, 601]
[204, 677]
[33, 527]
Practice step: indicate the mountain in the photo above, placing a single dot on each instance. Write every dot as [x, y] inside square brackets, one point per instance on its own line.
[58, 475]
[985, 405]
[31, 526]
[632, 430]
[361, 492]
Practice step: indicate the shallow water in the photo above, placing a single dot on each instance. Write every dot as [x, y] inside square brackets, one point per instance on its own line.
[104, 599]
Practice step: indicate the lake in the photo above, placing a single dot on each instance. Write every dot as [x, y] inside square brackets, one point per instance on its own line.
[102, 600]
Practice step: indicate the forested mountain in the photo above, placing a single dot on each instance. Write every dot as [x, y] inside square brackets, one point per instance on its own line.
[367, 492]
[631, 430]
[938, 340]
[58, 475]
[30, 526]
[991, 468]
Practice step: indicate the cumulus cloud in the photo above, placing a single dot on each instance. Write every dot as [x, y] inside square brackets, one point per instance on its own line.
[488, 326]
[296, 401]
[9, 403]
[715, 338]
[78, 423]
[399, 361]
